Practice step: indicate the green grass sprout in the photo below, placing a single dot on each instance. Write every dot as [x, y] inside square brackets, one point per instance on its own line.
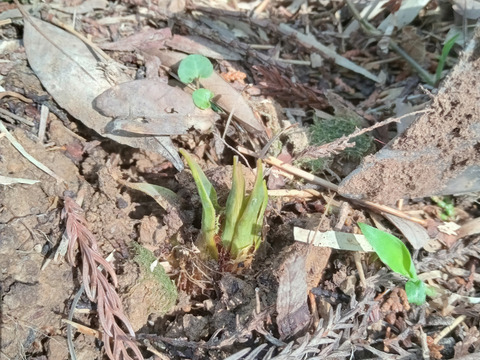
[247, 229]
[445, 51]
[447, 206]
[234, 205]
[393, 253]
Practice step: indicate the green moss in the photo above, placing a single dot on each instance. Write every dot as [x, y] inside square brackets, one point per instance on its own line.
[322, 132]
[163, 288]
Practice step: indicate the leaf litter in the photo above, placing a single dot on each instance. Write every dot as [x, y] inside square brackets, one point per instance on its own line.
[294, 300]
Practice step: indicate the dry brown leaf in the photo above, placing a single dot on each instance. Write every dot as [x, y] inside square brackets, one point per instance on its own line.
[470, 228]
[415, 233]
[225, 95]
[148, 38]
[70, 73]
[293, 315]
[199, 45]
[165, 110]
[413, 44]
[82, 8]
[471, 340]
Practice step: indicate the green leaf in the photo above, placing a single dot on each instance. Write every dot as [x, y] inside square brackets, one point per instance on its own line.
[416, 292]
[202, 98]
[194, 67]
[163, 196]
[391, 250]
[208, 197]
[246, 231]
[234, 203]
[259, 223]
[445, 51]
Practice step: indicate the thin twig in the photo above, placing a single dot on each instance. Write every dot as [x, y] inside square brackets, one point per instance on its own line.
[328, 185]
[16, 95]
[229, 120]
[43, 123]
[16, 117]
[233, 149]
[267, 146]
[448, 329]
[71, 347]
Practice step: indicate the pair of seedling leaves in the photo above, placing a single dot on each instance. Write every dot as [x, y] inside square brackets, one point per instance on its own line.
[150, 107]
[393, 252]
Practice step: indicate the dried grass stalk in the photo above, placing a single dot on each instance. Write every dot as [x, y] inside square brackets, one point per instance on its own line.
[97, 286]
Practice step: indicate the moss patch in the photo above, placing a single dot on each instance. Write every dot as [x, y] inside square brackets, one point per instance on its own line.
[161, 286]
[322, 132]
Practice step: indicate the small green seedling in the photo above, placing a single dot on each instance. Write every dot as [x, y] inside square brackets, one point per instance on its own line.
[446, 204]
[192, 68]
[445, 51]
[393, 252]
[241, 220]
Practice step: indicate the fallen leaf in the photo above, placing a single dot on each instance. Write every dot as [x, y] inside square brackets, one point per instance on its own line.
[292, 308]
[449, 228]
[413, 44]
[73, 78]
[163, 196]
[7, 180]
[82, 8]
[415, 233]
[469, 9]
[470, 228]
[148, 38]
[405, 15]
[199, 45]
[166, 110]
[332, 239]
[225, 95]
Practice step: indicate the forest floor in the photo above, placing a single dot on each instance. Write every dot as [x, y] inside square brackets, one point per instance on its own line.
[291, 80]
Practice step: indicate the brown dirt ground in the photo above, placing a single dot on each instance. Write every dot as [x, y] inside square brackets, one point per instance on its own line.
[432, 155]
[34, 301]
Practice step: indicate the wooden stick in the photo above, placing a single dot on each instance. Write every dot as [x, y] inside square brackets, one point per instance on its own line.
[331, 186]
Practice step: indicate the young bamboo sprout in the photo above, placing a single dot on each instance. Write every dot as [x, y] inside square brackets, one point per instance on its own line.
[241, 231]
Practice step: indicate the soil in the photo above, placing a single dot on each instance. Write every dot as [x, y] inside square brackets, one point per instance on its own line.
[439, 154]
[290, 299]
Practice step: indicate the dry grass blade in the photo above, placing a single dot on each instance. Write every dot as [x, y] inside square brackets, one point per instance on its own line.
[97, 286]
[29, 157]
